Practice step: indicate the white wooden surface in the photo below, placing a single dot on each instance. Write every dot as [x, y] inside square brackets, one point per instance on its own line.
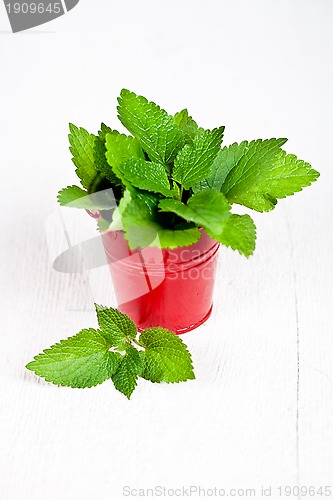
[260, 411]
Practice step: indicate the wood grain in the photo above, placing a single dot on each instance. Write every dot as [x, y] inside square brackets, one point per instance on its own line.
[260, 411]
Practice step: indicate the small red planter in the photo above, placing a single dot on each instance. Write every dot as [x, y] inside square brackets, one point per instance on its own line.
[161, 287]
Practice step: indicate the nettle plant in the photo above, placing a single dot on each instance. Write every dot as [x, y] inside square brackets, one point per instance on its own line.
[174, 177]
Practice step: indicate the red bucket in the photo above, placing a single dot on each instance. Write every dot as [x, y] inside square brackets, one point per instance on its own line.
[162, 287]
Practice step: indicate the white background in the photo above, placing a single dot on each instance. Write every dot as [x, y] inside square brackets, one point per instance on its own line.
[260, 411]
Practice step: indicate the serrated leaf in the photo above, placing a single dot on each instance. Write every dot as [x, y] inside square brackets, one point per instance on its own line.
[82, 145]
[119, 148]
[83, 360]
[75, 197]
[263, 173]
[152, 126]
[174, 238]
[193, 162]
[166, 357]
[239, 233]
[71, 194]
[105, 129]
[100, 156]
[209, 209]
[147, 175]
[103, 225]
[225, 160]
[117, 216]
[287, 176]
[126, 376]
[187, 125]
[142, 226]
[115, 326]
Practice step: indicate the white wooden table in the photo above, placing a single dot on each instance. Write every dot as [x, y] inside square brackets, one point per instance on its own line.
[260, 412]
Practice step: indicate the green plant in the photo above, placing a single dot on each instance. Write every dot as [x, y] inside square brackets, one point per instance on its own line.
[173, 177]
[114, 352]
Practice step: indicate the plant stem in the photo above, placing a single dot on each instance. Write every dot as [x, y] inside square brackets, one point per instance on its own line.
[137, 343]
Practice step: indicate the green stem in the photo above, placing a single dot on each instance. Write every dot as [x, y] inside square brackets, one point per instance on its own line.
[95, 183]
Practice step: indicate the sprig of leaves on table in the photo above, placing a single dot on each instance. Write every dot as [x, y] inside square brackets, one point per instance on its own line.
[113, 352]
[172, 177]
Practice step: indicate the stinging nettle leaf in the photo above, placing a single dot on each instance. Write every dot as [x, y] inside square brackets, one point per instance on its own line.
[83, 360]
[166, 357]
[193, 162]
[157, 131]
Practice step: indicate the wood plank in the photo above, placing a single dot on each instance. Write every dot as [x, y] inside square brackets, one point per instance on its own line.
[311, 231]
[235, 424]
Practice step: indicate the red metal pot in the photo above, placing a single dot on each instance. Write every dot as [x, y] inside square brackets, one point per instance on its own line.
[162, 287]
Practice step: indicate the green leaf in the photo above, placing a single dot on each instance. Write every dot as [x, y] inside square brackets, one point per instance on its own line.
[92, 356]
[225, 160]
[142, 227]
[187, 125]
[287, 176]
[166, 357]
[103, 225]
[115, 326]
[125, 378]
[193, 162]
[209, 209]
[117, 216]
[104, 130]
[119, 148]
[174, 238]
[239, 233]
[264, 172]
[100, 156]
[146, 175]
[80, 361]
[71, 194]
[157, 132]
[82, 145]
[75, 197]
